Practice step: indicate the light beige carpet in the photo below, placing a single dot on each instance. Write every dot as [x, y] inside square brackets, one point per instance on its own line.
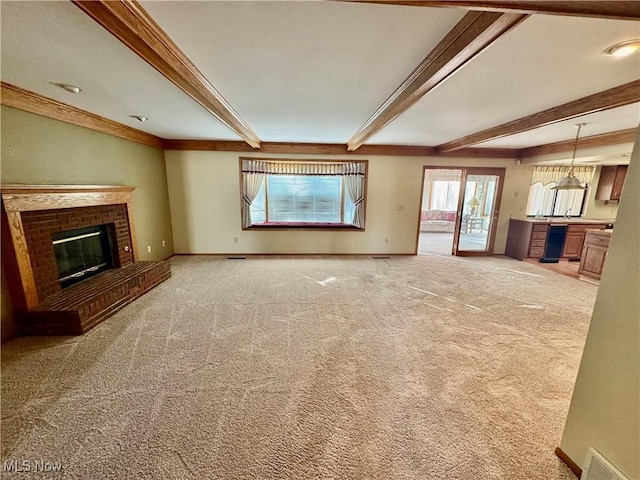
[423, 367]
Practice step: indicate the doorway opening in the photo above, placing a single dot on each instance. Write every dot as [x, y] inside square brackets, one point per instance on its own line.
[459, 210]
[440, 193]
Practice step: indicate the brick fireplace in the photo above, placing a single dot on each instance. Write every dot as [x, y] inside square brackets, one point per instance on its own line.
[40, 226]
[50, 299]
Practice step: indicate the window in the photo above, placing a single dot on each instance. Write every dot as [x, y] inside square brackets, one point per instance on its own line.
[444, 195]
[279, 193]
[544, 200]
[441, 190]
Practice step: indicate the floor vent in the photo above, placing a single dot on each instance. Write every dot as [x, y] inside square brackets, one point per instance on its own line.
[381, 257]
[236, 258]
[598, 468]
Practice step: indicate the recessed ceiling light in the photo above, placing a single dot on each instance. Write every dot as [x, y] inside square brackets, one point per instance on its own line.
[69, 88]
[623, 49]
[140, 118]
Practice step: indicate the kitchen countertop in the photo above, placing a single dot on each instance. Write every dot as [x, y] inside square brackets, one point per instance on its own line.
[597, 231]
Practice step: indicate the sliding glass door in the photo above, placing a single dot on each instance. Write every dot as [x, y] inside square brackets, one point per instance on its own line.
[477, 213]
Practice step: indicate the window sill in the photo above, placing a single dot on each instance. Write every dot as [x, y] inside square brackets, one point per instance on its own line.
[304, 226]
[554, 216]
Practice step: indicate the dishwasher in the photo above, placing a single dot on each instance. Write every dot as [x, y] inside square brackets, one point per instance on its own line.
[555, 243]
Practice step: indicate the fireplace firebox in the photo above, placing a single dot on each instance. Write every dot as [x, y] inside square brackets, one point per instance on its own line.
[82, 253]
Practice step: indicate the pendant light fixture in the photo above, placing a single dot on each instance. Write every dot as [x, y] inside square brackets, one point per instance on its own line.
[570, 182]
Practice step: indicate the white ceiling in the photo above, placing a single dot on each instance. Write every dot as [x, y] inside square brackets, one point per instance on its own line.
[55, 42]
[316, 71]
[304, 71]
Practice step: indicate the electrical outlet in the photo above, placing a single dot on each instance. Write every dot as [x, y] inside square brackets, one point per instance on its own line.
[386, 239]
[149, 248]
[235, 239]
[164, 243]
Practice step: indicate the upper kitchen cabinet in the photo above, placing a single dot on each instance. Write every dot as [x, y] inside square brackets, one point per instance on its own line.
[611, 182]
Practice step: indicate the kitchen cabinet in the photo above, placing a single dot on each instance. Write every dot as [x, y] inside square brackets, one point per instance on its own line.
[594, 252]
[573, 245]
[611, 181]
[574, 240]
[527, 238]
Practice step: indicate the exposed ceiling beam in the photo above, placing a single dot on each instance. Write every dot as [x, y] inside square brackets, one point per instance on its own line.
[475, 32]
[618, 10]
[337, 149]
[593, 141]
[22, 99]
[299, 148]
[133, 26]
[612, 98]
[16, 97]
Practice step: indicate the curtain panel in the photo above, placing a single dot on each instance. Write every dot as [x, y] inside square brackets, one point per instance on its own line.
[354, 185]
[551, 174]
[251, 185]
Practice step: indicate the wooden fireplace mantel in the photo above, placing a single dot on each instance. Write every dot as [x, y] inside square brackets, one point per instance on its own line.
[17, 199]
[24, 198]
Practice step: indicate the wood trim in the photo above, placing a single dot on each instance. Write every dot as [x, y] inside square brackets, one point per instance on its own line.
[573, 466]
[25, 188]
[19, 241]
[132, 231]
[133, 26]
[471, 35]
[609, 9]
[601, 140]
[23, 198]
[32, 102]
[298, 148]
[420, 203]
[337, 149]
[615, 97]
[482, 153]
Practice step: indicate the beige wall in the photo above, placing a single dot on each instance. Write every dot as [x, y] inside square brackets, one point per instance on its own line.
[605, 408]
[597, 208]
[40, 150]
[205, 205]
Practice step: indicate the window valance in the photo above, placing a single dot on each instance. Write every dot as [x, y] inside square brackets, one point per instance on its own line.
[306, 168]
[551, 174]
[442, 175]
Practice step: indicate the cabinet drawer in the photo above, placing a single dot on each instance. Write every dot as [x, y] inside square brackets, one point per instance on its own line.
[578, 228]
[539, 236]
[538, 243]
[536, 252]
[597, 241]
[583, 228]
[540, 228]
